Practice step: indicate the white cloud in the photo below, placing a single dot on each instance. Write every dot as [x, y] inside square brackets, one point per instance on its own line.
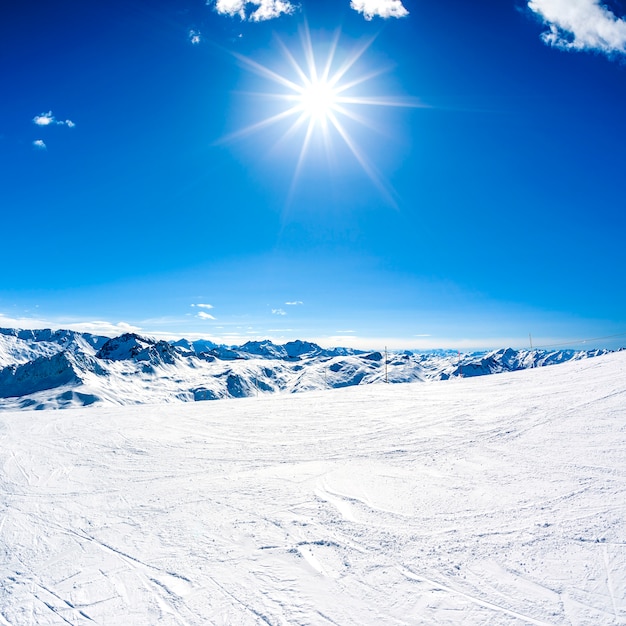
[96, 327]
[103, 328]
[278, 312]
[203, 306]
[39, 144]
[269, 9]
[380, 8]
[48, 119]
[230, 7]
[294, 303]
[195, 37]
[205, 316]
[44, 119]
[581, 25]
[409, 343]
[266, 9]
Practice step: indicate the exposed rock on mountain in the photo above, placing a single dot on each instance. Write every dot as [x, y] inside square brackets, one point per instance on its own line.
[133, 347]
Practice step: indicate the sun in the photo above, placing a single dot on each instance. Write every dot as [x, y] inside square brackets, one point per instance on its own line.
[318, 100]
[322, 95]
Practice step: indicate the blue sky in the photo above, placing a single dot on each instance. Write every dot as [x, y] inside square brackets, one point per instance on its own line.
[468, 190]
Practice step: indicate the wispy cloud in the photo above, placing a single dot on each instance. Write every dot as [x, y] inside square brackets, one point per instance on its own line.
[203, 306]
[104, 328]
[48, 119]
[265, 9]
[195, 37]
[294, 303]
[203, 315]
[95, 327]
[278, 312]
[581, 25]
[379, 8]
[39, 144]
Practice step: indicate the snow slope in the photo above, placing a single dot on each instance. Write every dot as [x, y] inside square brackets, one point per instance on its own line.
[492, 500]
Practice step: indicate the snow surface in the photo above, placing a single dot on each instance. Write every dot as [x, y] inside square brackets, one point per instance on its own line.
[491, 500]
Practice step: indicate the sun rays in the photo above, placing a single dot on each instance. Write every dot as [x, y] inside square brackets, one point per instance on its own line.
[319, 97]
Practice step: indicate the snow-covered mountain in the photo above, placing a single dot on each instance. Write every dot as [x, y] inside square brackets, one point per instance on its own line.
[57, 369]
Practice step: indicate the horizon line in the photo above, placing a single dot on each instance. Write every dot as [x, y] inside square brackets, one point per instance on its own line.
[355, 342]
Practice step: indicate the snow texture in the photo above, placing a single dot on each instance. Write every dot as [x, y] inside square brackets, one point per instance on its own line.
[486, 500]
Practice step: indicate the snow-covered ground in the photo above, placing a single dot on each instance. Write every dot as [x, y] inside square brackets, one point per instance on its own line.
[491, 500]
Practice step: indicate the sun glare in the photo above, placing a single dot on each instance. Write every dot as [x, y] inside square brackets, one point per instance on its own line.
[322, 97]
[318, 100]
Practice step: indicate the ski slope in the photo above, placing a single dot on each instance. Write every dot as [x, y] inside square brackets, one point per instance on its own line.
[493, 500]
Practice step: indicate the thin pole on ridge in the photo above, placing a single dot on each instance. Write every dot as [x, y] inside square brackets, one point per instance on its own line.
[386, 370]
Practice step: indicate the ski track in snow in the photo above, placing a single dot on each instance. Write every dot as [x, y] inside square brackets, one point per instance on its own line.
[497, 500]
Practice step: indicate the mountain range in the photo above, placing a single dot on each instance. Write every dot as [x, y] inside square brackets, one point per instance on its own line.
[51, 369]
